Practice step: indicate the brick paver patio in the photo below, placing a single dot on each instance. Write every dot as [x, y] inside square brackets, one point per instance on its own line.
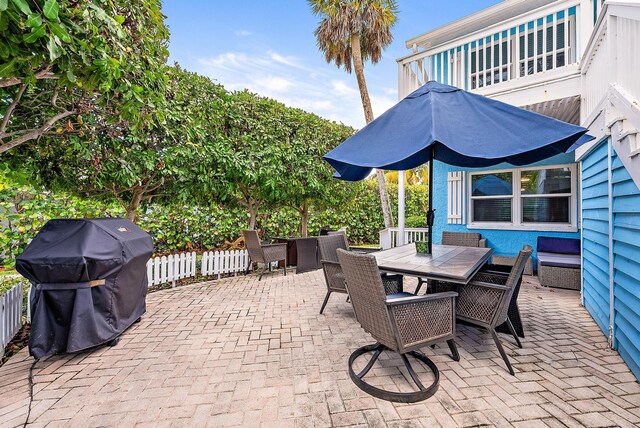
[248, 353]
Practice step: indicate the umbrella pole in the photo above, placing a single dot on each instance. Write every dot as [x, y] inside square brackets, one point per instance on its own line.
[431, 211]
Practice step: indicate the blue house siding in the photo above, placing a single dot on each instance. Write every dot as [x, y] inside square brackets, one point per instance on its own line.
[626, 264]
[595, 236]
[625, 225]
[504, 242]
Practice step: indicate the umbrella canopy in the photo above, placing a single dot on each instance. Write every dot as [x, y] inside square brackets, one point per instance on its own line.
[456, 127]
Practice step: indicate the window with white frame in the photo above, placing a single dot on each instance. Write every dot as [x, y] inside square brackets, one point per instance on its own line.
[540, 197]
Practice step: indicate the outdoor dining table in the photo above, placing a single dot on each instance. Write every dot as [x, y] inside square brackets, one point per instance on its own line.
[446, 263]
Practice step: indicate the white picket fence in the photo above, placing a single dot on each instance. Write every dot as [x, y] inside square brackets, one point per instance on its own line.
[221, 262]
[169, 269]
[10, 314]
[165, 269]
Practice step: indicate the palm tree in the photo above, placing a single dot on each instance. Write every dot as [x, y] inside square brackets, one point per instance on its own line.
[351, 32]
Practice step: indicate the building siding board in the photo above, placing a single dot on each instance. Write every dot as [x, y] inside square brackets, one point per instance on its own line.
[625, 229]
[595, 236]
[626, 263]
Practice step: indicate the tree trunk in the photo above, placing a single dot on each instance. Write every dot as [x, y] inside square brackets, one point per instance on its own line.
[358, 67]
[304, 220]
[253, 213]
[134, 204]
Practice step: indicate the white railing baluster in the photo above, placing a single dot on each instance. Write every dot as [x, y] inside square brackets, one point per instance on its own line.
[567, 58]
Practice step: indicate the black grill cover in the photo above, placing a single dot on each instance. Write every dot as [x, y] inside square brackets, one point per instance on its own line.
[90, 282]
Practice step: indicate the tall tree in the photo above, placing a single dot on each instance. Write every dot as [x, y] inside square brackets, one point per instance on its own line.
[69, 66]
[170, 160]
[351, 32]
[308, 182]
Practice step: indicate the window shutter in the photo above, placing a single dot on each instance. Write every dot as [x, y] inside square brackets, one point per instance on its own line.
[456, 197]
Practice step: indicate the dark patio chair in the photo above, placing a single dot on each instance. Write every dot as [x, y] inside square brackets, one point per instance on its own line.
[400, 323]
[334, 278]
[264, 253]
[485, 300]
[460, 239]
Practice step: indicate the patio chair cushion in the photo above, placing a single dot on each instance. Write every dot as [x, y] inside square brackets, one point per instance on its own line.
[558, 245]
[559, 260]
[399, 295]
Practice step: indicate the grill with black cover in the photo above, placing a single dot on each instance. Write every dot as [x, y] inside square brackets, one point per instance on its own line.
[89, 282]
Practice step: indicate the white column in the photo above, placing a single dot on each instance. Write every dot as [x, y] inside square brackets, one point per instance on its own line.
[400, 236]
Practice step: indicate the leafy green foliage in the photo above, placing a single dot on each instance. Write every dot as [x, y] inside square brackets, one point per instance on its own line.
[69, 66]
[170, 160]
[177, 227]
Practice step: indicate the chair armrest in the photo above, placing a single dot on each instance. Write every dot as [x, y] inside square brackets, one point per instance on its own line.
[329, 262]
[482, 243]
[274, 245]
[422, 298]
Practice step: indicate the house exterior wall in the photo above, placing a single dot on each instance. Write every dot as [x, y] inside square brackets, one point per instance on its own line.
[626, 264]
[611, 249]
[595, 236]
[504, 242]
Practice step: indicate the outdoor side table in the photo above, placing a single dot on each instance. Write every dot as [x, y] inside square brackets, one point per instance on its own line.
[302, 253]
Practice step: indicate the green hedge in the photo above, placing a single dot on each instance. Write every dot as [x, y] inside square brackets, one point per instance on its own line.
[24, 210]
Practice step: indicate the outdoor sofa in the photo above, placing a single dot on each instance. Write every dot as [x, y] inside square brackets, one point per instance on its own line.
[559, 262]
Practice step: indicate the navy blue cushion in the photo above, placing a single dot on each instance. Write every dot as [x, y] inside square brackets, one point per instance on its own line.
[558, 245]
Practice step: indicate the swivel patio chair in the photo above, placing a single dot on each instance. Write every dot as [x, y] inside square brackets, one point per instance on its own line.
[485, 300]
[460, 239]
[401, 323]
[334, 278]
[264, 253]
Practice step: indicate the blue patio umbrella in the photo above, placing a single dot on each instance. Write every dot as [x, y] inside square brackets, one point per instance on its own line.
[456, 127]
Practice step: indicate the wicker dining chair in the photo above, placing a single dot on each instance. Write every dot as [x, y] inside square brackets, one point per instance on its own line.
[400, 323]
[334, 278]
[485, 300]
[460, 239]
[264, 253]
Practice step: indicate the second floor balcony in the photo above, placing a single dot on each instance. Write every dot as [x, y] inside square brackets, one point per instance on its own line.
[524, 53]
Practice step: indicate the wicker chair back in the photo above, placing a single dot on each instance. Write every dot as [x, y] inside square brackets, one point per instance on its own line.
[368, 297]
[461, 239]
[252, 242]
[329, 246]
[514, 277]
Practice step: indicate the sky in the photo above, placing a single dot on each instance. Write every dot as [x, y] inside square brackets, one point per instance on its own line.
[268, 47]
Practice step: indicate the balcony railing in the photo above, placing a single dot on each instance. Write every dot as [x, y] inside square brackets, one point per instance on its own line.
[526, 45]
[389, 236]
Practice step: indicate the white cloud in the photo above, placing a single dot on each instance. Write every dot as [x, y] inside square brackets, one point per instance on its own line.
[273, 83]
[331, 94]
[243, 33]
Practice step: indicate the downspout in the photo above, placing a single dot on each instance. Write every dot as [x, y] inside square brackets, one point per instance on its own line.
[616, 127]
[611, 270]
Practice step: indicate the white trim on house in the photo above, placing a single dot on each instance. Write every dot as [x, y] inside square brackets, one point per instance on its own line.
[483, 19]
[516, 205]
[456, 197]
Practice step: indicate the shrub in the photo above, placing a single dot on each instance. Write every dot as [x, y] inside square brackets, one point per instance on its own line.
[25, 209]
